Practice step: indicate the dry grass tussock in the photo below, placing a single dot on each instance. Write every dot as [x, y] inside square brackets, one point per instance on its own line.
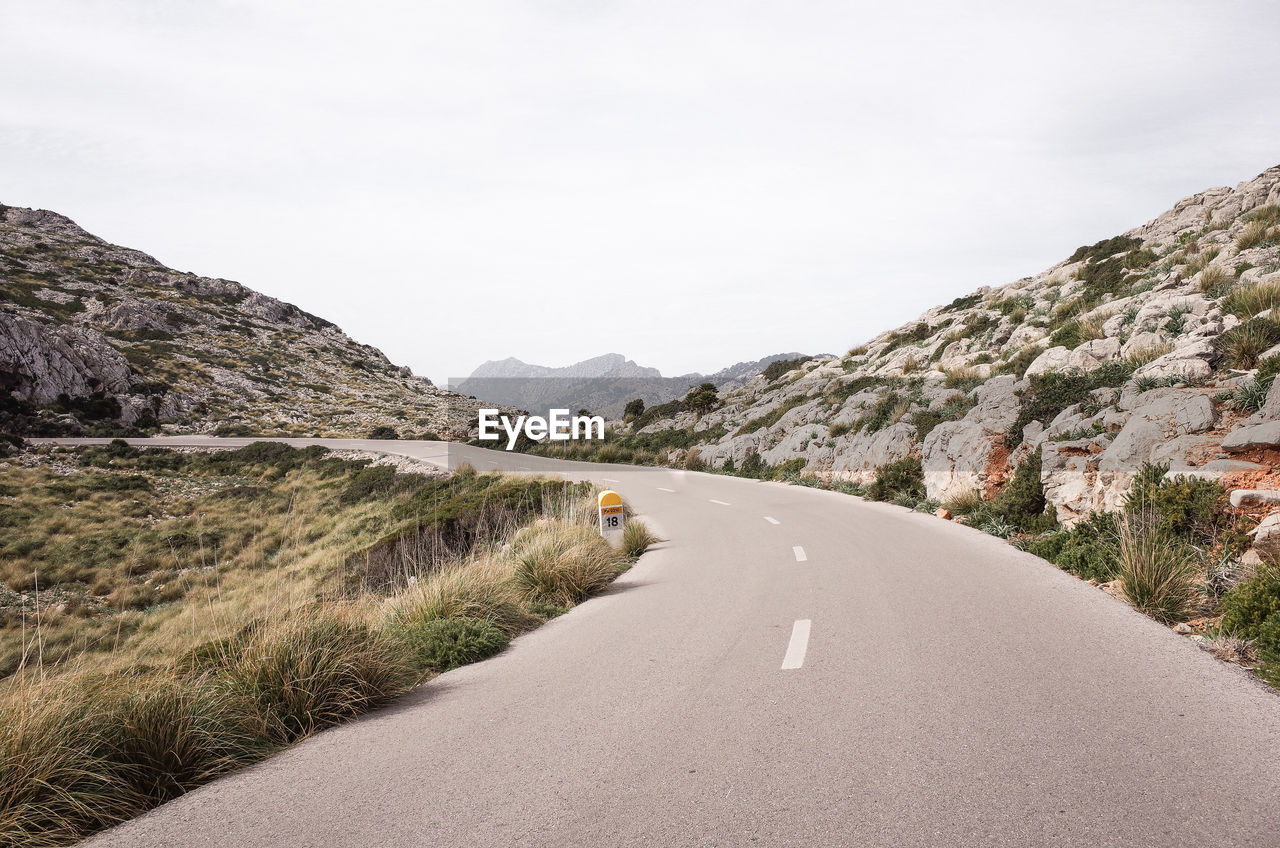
[1157, 570]
[271, 643]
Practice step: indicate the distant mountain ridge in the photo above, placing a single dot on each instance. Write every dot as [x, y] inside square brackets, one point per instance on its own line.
[602, 384]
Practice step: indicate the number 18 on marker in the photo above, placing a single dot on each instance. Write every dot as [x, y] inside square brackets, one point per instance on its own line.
[611, 517]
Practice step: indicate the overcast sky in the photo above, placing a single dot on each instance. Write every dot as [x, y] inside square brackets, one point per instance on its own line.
[688, 183]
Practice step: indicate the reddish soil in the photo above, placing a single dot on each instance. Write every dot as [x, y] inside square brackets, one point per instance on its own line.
[997, 470]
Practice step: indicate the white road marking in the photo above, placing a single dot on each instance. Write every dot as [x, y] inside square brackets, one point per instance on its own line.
[722, 503]
[771, 519]
[798, 645]
[491, 462]
[665, 489]
[799, 552]
[610, 480]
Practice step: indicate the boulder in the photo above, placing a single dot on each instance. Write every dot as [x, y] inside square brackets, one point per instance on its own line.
[1191, 361]
[1160, 415]
[959, 456]
[858, 458]
[1215, 470]
[1241, 498]
[1256, 436]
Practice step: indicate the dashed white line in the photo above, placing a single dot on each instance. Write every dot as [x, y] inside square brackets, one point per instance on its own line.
[722, 503]
[771, 519]
[798, 645]
[665, 489]
[799, 552]
[610, 480]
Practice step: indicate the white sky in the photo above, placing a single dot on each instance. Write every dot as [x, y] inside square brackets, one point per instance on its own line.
[688, 183]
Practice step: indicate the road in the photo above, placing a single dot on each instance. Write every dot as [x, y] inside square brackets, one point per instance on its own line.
[793, 667]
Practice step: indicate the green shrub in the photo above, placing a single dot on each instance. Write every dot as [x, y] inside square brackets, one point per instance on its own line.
[898, 479]
[382, 431]
[1053, 391]
[782, 366]
[1197, 511]
[1248, 606]
[1021, 504]
[1088, 550]
[1105, 248]
[1068, 335]
[441, 644]
[1018, 364]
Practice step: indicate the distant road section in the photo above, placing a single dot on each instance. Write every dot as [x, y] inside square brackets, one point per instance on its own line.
[793, 668]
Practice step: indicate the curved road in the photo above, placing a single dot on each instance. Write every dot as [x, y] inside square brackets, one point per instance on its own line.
[794, 667]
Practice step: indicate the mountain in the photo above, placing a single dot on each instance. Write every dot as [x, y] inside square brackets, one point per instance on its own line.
[95, 338]
[602, 384]
[1158, 345]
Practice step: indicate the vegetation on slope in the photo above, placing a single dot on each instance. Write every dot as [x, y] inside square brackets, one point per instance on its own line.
[170, 617]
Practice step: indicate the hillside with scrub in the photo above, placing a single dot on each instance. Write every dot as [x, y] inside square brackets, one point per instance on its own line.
[98, 339]
[1117, 414]
[169, 616]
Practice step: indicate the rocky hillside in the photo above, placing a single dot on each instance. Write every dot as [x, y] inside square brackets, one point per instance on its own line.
[95, 337]
[602, 384]
[1156, 345]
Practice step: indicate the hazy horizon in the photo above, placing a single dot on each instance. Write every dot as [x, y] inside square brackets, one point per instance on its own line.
[688, 185]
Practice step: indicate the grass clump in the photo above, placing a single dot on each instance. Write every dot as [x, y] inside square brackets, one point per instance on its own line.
[313, 669]
[1248, 301]
[1242, 345]
[480, 589]
[636, 538]
[1157, 569]
[562, 565]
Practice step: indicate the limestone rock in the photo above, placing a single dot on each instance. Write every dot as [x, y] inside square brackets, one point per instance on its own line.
[1254, 497]
[1257, 436]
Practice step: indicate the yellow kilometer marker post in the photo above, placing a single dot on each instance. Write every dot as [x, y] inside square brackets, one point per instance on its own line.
[611, 517]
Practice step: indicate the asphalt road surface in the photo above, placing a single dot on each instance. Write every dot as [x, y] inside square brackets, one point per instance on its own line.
[791, 668]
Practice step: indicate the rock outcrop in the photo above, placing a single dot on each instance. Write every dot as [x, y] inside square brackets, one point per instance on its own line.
[93, 335]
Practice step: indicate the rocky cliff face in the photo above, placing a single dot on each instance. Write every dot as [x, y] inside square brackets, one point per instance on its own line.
[98, 336]
[1157, 345]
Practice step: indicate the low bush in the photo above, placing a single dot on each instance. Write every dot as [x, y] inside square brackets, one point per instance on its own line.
[440, 644]
[1051, 392]
[776, 369]
[904, 478]
[1021, 503]
[1197, 511]
[1088, 550]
